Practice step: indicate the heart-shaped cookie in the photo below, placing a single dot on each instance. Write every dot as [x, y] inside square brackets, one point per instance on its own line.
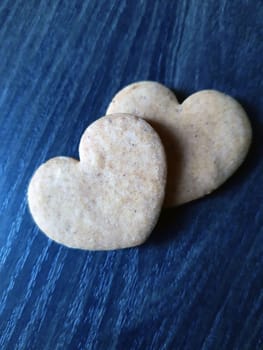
[206, 137]
[109, 199]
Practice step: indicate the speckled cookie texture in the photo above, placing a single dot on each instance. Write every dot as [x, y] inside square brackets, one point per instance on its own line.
[109, 199]
[206, 138]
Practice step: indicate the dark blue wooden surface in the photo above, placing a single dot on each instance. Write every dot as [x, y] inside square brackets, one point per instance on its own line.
[198, 282]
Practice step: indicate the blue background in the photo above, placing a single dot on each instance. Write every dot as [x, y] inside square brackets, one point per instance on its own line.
[198, 281]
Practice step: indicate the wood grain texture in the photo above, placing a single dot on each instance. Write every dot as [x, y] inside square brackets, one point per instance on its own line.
[197, 283]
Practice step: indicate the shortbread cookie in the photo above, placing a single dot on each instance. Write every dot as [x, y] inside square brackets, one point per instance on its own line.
[109, 199]
[206, 138]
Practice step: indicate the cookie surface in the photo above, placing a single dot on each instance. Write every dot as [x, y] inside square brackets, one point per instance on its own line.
[109, 199]
[206, 138]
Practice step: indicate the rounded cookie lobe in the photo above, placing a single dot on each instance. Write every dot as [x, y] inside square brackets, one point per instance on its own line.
[206, 138]
[109, 199]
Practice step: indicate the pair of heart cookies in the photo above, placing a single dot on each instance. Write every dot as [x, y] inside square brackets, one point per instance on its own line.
[148, 151]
